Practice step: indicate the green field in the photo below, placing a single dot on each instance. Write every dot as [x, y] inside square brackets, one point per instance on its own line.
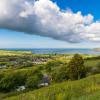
[20, 69]
[13, 53]
[85, 89]
[92, 63]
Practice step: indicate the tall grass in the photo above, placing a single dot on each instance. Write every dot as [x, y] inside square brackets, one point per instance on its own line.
[84, 89]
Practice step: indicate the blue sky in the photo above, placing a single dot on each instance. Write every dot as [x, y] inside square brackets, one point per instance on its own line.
[85, 6]
[14, 39]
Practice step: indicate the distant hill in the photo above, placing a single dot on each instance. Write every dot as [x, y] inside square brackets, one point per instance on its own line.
[97, 49]
[14, 53]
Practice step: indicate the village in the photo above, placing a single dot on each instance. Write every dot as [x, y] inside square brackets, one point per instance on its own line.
[22, 61]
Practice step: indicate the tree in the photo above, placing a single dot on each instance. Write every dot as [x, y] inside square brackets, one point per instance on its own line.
[76, 68]
[11, 80]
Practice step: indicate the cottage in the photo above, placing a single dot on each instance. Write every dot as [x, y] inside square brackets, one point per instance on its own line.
[45, 81]
[21, 88]
[3, 66]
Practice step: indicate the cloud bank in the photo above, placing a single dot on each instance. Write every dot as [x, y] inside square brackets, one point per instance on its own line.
[45, 18]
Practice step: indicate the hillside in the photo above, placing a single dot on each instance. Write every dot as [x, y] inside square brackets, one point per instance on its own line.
[84, 89]
[19, 70]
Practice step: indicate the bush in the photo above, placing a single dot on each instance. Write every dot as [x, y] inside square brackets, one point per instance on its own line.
[1, 75]
[10, 80]
[6, 84]
[98, 66]
[88, 70]
[60, 75]
[33, 81]
[53, 63]
[95, 70]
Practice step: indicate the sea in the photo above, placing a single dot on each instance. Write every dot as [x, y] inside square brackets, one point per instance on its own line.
[56, 50]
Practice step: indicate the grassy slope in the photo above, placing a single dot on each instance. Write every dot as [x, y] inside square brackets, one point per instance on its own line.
[85, 89]
[92, 63]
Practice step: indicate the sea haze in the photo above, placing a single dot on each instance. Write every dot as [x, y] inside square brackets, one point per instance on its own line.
[57, 50]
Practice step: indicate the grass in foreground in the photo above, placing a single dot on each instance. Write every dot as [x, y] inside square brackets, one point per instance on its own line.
[84, 89]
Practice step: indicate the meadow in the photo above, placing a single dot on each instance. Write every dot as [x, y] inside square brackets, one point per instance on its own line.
[26, 69]
[84, 89]
[13, 53]
[92, 63]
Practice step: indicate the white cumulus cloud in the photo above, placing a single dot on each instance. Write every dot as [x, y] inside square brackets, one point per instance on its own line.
[45, 18]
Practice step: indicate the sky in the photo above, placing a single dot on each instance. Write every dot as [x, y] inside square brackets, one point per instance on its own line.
[49, 24]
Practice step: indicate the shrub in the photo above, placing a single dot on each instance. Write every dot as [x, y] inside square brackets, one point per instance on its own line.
[60, 75]
[12, 79]
[88, 70]
[33, 82]
[1, 75]
[53, 63]
[7, 83]
[95, 70]
[98, 66]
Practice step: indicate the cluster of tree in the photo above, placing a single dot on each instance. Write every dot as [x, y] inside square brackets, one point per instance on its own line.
[11, 80]
[74, 70]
